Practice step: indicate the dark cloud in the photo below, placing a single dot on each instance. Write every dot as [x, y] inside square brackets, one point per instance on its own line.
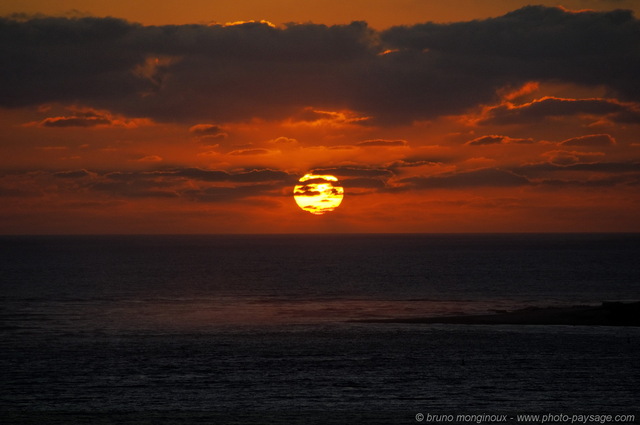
[248, 152]
[12, 192]
[608, 174]
[607, 167]
[225, 194]
[341, 148]
[611, 181]
[486, 140]
[536, 43]
[591, 140]
[137, 190]
[354, 172]
[68, 60]
[309, 114]
[208, 131]
[147, 158]
[75, 121]
[364, 183]
[487, 177]
[598, 167]
[315, 181]
[382, 143]
[495, 139]
[305, 191]
[189, 183]
[131, 185]
[251, 176]
[310, 187]
[262, 176]
[562, 157]
[74, 174]
[189, 173]
[193, 73]
[550, 107]
[415, 162]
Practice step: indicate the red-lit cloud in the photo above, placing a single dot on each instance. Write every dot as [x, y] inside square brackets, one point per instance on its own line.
[590, 140]
[485, 125]
[550, 107]
[495, 139]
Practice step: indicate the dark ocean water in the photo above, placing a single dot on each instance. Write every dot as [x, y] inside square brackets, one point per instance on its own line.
[257, 329]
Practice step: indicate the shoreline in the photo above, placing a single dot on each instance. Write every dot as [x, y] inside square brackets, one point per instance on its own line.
[606, 314]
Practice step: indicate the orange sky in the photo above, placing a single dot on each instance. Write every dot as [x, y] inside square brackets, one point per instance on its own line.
[380, 14]
[524, 120]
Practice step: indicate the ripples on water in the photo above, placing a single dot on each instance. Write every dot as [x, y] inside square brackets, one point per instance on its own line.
[251, 329]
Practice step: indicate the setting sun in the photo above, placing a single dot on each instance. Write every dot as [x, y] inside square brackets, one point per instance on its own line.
[318, 194]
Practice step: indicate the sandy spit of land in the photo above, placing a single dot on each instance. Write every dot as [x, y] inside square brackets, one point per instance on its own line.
[606, 314]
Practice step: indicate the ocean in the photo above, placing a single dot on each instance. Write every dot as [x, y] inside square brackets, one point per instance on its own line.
[272, 329]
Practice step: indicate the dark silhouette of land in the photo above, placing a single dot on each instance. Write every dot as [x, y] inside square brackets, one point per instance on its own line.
[607, 314]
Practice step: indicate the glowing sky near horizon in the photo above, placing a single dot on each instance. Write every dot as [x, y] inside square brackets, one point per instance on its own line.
[433, 116]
